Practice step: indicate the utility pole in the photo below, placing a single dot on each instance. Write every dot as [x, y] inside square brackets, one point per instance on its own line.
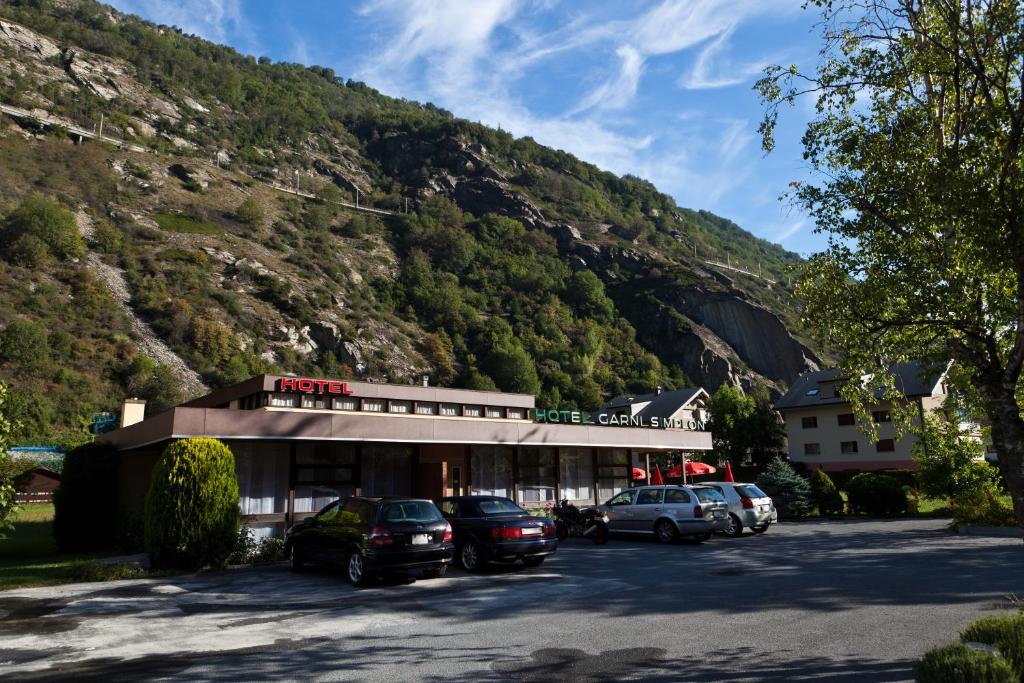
[101, 125]
[357, 197]
[296, 181]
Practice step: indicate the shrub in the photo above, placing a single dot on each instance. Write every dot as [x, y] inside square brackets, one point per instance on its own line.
[90, 570]
[948, 463]
[1005, 633]
[179, 222]
[249, 549]
[876, 494]
[985, 506]
[24, 342]
[961, 664]
[192, 506]
[46, 221]
[790, 492]
[825, 495]
[249, 212]
[85, 504]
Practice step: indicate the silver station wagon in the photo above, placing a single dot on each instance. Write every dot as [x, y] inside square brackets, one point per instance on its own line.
[749, 506]
[668, 512]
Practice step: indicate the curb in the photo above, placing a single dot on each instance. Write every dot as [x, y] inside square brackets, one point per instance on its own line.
[997, 531]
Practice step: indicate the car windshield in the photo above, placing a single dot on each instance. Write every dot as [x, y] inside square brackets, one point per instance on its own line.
[500, 506]
[709, 496]
[410, 511]
[750, 491]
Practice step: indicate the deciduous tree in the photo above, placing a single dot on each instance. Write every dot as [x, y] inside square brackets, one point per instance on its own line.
[918, 170]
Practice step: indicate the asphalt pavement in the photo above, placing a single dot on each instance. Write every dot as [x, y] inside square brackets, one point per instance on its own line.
[822, 601]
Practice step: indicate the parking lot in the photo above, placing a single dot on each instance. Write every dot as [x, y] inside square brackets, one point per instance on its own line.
[846, 601]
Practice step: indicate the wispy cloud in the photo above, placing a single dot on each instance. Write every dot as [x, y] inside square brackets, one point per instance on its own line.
[220, 21]
[790, 230]
[709, 71]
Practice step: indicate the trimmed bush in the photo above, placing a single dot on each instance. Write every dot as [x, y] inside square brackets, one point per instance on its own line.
[85, 504]
[1005, 633]
[790, 492]
[825, 495]
[192, 512]
[985, 506]
[961, 664]
[876, 494]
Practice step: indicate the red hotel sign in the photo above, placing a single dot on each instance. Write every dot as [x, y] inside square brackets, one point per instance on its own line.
[306, 385]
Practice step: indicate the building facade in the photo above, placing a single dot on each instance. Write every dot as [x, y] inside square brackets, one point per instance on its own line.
[823, 432]
[299, 443]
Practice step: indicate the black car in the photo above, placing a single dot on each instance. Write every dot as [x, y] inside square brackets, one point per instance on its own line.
[494, 529]
[372, 536]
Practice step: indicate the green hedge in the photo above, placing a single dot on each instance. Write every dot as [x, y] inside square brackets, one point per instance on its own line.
[1005, 633]
[825, 495]
[85, 503]
[961, 664]
[876, 494]
[192, 515]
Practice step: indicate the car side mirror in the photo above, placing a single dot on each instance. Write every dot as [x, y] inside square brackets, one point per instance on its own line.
[308, 521]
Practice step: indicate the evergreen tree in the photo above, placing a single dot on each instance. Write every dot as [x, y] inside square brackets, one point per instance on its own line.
[790, 492]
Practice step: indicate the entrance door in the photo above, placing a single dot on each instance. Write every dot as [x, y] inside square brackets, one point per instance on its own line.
[430, 480]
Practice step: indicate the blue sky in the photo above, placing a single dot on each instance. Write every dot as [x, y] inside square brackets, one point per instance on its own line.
[657, 88]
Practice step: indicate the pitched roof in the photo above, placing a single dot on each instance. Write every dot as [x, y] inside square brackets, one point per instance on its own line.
[661, 405]
[911, 379]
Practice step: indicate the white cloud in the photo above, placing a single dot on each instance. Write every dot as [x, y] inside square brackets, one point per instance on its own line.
[617, 93]
[790, 230]
[220, 21]
[707, 74]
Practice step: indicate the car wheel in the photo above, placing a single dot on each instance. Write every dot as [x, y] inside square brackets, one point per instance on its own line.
[735, 527]
[436, 572]
[533, 561]
[469, 557]
[700, 538]
[355, 569]
[295, 561]
[665, 531]
[760, 529]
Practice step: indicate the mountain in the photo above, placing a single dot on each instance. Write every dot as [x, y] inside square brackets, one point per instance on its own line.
[178, 216]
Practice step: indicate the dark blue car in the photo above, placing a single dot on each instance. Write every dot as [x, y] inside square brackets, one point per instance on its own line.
[494, 529]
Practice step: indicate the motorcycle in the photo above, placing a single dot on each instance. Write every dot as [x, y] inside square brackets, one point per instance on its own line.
[586, 523]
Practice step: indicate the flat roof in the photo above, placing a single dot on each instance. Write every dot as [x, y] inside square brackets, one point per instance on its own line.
[320, 425]
[395, 392]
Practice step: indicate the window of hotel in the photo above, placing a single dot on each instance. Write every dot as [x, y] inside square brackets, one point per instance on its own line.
[387, 470]
[493, 412]
[848, 447]
[399, 406]
[373, 405]
[886, 445]
[310, 402]
[283, 400]
[491, 470]
[809, 422]
[514, 413]
[426, 408]
[612, 472]
[536, 474]
[262, 472]
[576, 473]
[449, 409]
[845, 419]
[323, 472]
[812, 449]
[471, 411]
[345, 404]
[881, 416]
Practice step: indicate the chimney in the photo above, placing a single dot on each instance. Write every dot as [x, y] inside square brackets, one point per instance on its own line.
[133, 411]
[657, 391]
[426, 380]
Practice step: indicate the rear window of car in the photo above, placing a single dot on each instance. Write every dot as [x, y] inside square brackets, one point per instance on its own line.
[410, 511]
[751, 491]
[677, 496]
[499, 506]
[709, 496]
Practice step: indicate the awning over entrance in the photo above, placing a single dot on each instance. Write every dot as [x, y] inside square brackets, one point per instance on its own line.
[287, 424]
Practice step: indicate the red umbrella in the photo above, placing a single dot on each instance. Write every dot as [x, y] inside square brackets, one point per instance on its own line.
[674, 471]
[656, 479]
[638, 473]
[728, 471]
[698, 468]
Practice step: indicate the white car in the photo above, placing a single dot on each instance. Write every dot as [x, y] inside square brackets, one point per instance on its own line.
[749, 507]
[667, 512]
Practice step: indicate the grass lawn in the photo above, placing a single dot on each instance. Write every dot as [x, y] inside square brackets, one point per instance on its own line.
[29, 557]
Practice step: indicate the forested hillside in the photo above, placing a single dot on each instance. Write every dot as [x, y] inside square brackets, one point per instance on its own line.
[517, 266]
